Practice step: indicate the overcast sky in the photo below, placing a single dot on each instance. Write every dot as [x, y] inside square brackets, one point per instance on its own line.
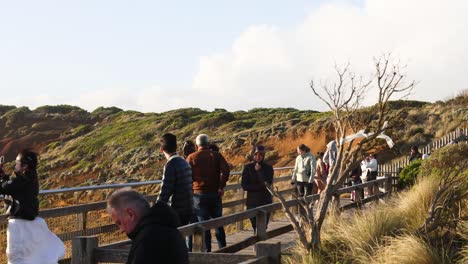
[154, 56]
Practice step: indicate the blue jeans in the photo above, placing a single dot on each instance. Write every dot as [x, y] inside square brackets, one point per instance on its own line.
[207, 206]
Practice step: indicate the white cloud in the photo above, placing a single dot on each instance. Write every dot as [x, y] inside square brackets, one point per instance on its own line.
[268, 67]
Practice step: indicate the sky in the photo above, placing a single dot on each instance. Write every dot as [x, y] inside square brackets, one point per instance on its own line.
[155, 56]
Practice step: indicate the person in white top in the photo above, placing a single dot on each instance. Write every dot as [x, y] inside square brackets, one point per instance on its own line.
[369, 172]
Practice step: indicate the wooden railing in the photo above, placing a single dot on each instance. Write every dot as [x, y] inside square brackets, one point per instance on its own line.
[394, 166]
[114, 252]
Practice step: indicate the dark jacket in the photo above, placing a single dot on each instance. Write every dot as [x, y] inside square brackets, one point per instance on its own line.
[254, 183]
[415, 156]
[21, 191]
[156, 239]
[176, 188]
[210, 171]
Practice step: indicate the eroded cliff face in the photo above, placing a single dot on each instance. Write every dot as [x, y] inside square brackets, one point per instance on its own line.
[111, 146]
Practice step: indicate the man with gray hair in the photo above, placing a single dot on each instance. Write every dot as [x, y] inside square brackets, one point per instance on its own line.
[210, 172]
[153, 230]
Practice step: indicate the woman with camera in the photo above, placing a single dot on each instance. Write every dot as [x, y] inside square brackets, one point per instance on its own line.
[28, 237]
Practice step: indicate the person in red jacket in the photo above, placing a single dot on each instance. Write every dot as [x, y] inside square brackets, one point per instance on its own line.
[210, 172]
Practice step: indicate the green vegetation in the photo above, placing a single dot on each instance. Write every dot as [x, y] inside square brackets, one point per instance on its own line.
[408, 174]
[6, 108]
[58, 109]
[102, 112]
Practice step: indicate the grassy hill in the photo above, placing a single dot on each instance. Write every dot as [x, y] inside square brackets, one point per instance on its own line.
[110, 145]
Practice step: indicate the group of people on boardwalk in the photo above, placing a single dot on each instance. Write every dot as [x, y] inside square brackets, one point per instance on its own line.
[192, 190]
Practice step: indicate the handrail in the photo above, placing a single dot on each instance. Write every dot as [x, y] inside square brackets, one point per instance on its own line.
[121, 185]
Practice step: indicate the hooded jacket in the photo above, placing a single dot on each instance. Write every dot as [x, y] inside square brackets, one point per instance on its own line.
[253, 182]
[156, 239]
[304, 169]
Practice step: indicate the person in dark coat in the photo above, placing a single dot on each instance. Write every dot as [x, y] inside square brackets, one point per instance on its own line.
[153, 230]
[414, 154]
[254, 176]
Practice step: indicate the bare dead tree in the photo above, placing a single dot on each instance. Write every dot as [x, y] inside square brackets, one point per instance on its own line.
[344, 98]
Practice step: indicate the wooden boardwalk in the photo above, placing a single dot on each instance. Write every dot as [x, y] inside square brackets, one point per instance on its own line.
[287, 240]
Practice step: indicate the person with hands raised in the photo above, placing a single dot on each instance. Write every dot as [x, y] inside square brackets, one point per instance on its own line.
[29, 240]
[255, 176]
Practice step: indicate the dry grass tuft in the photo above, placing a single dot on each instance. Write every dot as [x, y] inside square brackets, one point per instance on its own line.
[407, 249]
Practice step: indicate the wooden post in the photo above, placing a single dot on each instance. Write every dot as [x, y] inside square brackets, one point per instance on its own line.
[261, 225]
[81, 220]
[294, 209]
[388, 184]
[199, 239]
[83, 250]
[240, 223]
[270, 250]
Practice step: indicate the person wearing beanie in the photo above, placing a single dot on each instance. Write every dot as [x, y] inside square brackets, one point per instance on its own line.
[255, 176]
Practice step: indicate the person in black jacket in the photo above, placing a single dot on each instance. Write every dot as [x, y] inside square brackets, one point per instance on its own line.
[21, 189]
[153, 230]
[254, 177]
[29, 240]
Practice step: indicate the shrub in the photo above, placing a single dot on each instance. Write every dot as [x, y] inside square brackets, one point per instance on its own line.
[408, 174]
[6, 108]
[58, 109]
[103, 112]
[448, 157]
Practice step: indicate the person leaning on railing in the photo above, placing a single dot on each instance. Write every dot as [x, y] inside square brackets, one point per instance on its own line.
[29, 240]
[254, 177]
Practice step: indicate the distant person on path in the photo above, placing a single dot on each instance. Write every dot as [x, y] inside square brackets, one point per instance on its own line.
[29, 240]
[153, 230]
[176, 188]
[210, 172]
[214, 147]
[330, 157]
[320, 176]
[304, 171]
[414, 154]
[254, 177]
[369, 168]
[355, 180]
[188, 148]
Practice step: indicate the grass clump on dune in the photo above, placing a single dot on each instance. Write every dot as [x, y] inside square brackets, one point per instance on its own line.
[407, 249]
